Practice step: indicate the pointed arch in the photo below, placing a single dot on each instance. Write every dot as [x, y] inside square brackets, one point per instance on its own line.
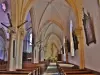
[55, 22]
[77, 8]
[27, 7]
[3, 33]
[48, 36]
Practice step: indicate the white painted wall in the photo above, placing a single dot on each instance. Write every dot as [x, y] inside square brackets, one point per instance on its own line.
[92, 52]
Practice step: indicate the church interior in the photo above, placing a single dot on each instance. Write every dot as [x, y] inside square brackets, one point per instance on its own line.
[49, 37]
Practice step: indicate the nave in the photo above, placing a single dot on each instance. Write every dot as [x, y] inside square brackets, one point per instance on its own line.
[53, 68]
[32, 32]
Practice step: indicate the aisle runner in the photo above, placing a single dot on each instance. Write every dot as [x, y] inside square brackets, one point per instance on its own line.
[52, 70]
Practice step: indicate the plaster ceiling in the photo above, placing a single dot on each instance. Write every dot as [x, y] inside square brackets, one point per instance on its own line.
[52, 10]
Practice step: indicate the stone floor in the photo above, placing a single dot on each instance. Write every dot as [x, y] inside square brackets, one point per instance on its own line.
[52, 70]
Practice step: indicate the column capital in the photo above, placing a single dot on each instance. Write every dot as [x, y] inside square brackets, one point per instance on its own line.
[14, 36]
[21, 31]
[78, 32]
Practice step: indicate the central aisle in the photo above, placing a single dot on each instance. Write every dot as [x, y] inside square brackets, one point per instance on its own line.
[52, 70]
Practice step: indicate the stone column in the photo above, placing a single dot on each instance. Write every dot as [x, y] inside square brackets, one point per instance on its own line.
[33, 32]
[12, 61]
[19, 10]
[79, 33]
[36, 55]
[19, 51]
[66, 50]
[42, 55]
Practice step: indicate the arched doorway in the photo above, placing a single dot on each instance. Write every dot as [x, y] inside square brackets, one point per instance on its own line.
[27, 49]
[77, 8]
[3, 51]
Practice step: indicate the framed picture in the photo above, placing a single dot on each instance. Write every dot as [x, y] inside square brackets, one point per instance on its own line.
[75, 40]
[89, 28]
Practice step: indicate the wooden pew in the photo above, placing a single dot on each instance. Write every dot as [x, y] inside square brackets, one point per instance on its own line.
[40, 67]
[3, 65]
[71, 71]
[80, 74]
[15, 73]
[35, 70]
[77, 72]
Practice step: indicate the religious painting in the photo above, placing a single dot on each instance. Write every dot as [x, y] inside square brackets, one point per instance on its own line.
[68, 45]
[75, 40]
[89, 28]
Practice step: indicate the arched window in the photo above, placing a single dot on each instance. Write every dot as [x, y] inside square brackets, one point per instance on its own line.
[3, 51]
[30, 39]
[2, 48]
[27, 52]
[71, 38]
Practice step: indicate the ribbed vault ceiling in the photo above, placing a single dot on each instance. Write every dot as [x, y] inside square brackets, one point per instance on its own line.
[46, 10]
[51, 22]
[55, 11]
[51, 17]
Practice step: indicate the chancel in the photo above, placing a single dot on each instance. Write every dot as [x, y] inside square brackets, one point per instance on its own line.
[49, 37]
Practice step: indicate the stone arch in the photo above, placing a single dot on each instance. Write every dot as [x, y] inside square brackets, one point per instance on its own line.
[53, 34]
[3, 34]
[77, 8]
[25, 39]
[58, 14]
[49, 35]
[27, 47]
[55, 22]
[27, 8]
[52, 42]
[49, 24]
[3, 49]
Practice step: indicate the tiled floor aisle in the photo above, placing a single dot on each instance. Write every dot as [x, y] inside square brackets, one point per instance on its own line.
[52, 70]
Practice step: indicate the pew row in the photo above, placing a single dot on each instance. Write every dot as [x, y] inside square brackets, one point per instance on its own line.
[31, 70]
[80, 74]
[35, 71]
[74, 71]
[15, 73]
[3, 65]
